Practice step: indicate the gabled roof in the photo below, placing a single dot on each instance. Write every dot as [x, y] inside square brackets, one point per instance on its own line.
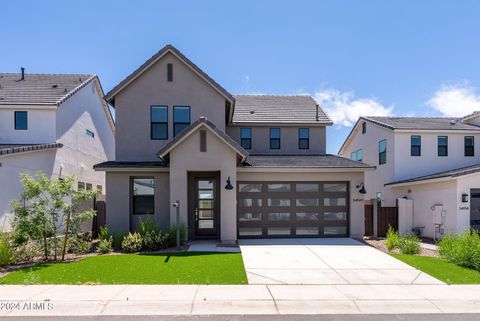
[278, 109]
[470, 116]
[110, 96]
[40, 89]
[453, 173]
[202, 122]
[8, 149]
[130, 164]
[304, 161]
[422, 123]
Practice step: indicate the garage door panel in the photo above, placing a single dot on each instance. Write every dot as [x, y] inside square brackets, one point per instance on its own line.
[292, 209]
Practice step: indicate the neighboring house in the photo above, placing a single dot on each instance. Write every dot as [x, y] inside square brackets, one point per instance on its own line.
[240, 166]
[435, 162]
[58, 124]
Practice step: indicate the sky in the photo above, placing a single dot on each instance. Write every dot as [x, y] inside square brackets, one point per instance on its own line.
[357, 58]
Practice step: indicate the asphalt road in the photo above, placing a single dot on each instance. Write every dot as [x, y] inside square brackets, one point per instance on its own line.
[335, 317]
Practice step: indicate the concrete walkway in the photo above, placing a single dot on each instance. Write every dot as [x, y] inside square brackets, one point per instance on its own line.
[324, 261]
[48, 300]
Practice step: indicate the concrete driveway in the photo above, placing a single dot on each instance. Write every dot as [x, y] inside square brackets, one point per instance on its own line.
[324, 261]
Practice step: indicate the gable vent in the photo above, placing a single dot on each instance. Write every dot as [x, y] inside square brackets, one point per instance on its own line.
[169, 72]
[203, 141]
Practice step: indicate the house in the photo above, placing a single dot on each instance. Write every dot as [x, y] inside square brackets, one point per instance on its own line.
[434, 162]
[239, 166]
[56, 123]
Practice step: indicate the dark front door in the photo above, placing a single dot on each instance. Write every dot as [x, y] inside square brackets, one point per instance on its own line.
[206, 207]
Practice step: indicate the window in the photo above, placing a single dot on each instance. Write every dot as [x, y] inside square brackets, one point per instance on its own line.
[274, 138]
[158, 122]
[359, 155]
[415, 145]
[181, 118]
[353, 156]
[303, 138]
[382, 152]
[364, 128]
[21, 122]
[442, 145]
[169, 72]
[469, 146]
[143, 195]
[246, 138]
[89, 133]
[88, 186]
[99, 189]
[81, 185]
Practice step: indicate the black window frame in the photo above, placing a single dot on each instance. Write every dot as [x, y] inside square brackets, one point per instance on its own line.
[16, 113]
[175, 123]
[133, 196]
[441, 148]
[382, 155]
[364, 128]
[415, 149]
[469, 150]
[273, 140]
[89, 133]
[303, 139]
[80, 185]
[154, 123]
[246, 141]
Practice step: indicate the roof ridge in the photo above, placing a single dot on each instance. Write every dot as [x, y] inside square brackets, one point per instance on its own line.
[46, 74]
[272, 95]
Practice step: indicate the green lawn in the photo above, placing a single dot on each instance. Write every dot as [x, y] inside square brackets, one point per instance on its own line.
[171, 268]
[441, 269]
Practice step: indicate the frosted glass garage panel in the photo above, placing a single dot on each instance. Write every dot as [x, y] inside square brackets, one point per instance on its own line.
[334, 230]
[250, 188]
[250, 231]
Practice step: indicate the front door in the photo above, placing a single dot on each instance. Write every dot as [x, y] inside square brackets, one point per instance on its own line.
[206, 207]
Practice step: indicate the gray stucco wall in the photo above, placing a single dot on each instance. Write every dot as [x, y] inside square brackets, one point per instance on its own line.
[289, 139]
[119, 199]
[152, 88]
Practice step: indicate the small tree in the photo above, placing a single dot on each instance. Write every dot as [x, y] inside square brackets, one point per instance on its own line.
[45, 210]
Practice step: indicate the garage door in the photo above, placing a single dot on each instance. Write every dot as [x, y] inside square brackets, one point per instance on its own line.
[292, 209]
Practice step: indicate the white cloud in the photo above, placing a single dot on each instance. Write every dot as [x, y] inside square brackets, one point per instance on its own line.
[345, 109]
[455, 100]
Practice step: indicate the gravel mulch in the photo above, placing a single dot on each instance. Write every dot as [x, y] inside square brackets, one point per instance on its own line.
[379, 244]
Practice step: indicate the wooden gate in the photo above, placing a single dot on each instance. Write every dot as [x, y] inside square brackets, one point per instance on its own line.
[368, 220]
[387, 216]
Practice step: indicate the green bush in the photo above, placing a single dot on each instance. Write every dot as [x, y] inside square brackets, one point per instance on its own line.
[105, 246]
[462, 249]
[132, 242]
[392, 239]
[153, 241]
[6, 253]
[147, 226]
[409, 244]
[118, 239]
[79, 246]
[172, 235]
[104, 233]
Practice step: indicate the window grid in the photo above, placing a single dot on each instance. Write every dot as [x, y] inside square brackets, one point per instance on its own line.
[415, 145]
[469, 146]
[21, 120]
[442, 146]
[303, 138]
[246, 138]
[181, 118]
[159, 122]
[275, 138]
[382, 152]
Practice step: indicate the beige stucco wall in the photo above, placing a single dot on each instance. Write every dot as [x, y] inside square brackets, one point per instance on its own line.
[219, 157]
[152, 88]
[119, 198]
[289, 139]
[357, 226]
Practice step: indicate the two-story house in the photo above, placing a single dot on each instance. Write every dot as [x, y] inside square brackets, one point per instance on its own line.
[240, 166]
[433, 161]
[55, 123]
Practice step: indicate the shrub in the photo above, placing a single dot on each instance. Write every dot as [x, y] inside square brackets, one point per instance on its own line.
[392, 239]
[105, 246]
[118, 239]
[104, 234]
[6, 253]
[147, 226]
[154, 241]
[79, 246]
[409, 244]
[172, 235]
[27, 251]
[132, 242]
[462, 249]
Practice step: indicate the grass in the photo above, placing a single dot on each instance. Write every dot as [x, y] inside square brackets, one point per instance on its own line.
[165, 268]
[441, 269]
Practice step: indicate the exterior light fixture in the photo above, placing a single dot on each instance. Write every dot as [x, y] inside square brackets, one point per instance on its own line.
[361, 188]
[229, 185]
[464, 198]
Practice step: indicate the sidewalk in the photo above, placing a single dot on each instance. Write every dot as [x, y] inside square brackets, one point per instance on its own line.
[50, 300]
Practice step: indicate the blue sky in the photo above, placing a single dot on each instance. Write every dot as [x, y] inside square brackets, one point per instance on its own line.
[356, 57]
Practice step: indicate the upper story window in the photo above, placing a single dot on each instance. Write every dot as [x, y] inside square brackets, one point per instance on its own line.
[181, 118]
[382, 152]
[442, 145]
[143, 191]
[303, 138]
[21, 120]
[158, 122]
[246, 138]
[275, 138]
[364, 128]
[415, 145]
[469, 146]
[353, 156]
[360, 155]
[89, 133]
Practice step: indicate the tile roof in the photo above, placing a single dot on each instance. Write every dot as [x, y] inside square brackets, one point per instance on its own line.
[278, 109]
[131, 164]
[421, 123]
[444, 174]
[39, 89]
[298, 161]
[7, 149]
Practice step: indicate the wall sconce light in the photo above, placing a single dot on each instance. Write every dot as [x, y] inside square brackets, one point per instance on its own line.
[464, 198]
[361, 188]
[229, 186]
